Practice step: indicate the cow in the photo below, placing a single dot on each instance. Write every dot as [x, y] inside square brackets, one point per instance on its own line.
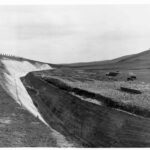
[112, 74]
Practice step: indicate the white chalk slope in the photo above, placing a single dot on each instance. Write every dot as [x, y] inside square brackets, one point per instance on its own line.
[10, 73]
[13, 85]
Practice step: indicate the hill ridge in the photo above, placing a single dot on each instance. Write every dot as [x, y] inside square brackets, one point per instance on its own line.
[139, 60]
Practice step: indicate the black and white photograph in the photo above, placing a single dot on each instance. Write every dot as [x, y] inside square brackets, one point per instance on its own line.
[75, 76]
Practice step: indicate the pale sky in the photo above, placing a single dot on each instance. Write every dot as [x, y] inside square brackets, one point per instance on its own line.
[75, 33]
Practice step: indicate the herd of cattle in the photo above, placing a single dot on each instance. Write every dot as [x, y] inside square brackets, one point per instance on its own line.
[131, 76]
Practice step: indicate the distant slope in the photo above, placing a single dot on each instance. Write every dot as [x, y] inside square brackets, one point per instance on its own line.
[135, 61]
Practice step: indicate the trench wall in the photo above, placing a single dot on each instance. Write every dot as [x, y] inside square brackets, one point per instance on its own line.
[90, 124]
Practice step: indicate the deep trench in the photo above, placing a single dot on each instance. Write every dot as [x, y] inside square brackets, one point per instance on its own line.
[89, 124]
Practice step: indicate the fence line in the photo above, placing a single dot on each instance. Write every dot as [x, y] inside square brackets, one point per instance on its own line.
[9, 55]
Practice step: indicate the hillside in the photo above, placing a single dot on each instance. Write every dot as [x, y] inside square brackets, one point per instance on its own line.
[135, 61]
[138, 64]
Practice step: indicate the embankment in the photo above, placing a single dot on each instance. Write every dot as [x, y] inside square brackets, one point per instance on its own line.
[91, 124]
[107, 101]
[10, 72]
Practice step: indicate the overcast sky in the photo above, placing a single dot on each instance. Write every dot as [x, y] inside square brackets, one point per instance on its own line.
[64, 34]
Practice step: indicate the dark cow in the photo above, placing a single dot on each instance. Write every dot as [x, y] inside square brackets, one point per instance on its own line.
[131, 78]
[112, 74]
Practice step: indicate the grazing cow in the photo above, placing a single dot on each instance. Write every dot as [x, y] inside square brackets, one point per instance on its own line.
[112, 74]
[131, 78]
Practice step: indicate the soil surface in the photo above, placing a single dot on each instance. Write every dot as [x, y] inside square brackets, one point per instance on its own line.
[18, 128]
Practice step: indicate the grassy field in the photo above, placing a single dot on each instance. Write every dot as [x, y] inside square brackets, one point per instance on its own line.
[97, 125]
[112, 90]
[107, 88]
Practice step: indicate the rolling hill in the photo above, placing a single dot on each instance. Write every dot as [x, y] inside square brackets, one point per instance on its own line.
[135, 61]
[138, 64]
[84, 118]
